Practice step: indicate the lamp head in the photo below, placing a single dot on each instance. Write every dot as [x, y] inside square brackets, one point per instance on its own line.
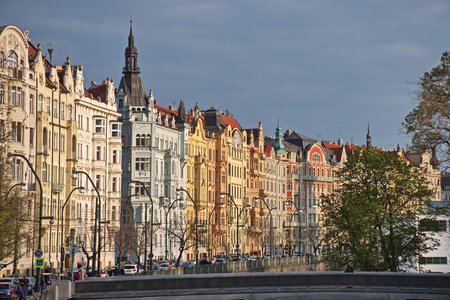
[222, 195]
[132, 185]
[220, 205]
[74, 173]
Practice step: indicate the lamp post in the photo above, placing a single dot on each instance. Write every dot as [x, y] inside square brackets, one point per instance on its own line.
[97, 220]
[151, 226]
[62, 225]
[16, 235]
[270, 229]
[41, 198]
[169, 207]
[196, 221]
[239, 213]
[298, 211]
[218, 205]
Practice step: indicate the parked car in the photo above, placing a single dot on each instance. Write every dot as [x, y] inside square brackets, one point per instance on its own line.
[11, 280]
[165, 266]
[131, 269]
[219, 261]
[5, 290]
[48, 278]
[189, 263]
[204, 262]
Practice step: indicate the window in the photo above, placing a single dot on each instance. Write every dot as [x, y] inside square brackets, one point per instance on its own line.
[41, 103]
[116, 130]
[62, 111]
[433, 260]
[19, 97]
[138, 140]
[432, 225]
[47, 105]
[100, 125]
[2, 93]
[88, 129]
[31, 137]
[55, 108]
[31, 103]
[141, 164]
[62, 142]
[69, 112]
[13, 96]
[113, 213]
[114, 156]
[98, 153]
[114, 184]
[44, 172]
[316, 157]
[97, 181]
[12, 59]
[17, 131]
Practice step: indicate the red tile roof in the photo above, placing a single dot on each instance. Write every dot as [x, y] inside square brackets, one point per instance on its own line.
[228, 120]
[267, 150]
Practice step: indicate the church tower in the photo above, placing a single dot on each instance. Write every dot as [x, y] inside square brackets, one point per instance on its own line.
[131, 82]
[368, 137]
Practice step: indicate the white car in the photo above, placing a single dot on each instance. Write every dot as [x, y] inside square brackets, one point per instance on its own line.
[165, 266]
[130, 269]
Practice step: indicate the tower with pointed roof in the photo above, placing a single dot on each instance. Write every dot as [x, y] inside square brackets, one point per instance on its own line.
[278, 146]
[368, 137]
[131, 82]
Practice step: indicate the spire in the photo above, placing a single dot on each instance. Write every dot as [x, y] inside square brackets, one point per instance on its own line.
[131, 37]
[279, 146]
[368, 137]
[181, 118]
[131, 83]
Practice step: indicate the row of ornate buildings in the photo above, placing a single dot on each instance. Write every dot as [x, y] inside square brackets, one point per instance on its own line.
[129, 177]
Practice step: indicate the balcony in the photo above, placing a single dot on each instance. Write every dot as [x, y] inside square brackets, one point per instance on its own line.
[57, 188]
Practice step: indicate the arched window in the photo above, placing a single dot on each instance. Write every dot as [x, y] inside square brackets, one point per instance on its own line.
[143, 140]
[174, 171]
[316, 157]
[44, 171]
[12, 59]
[148, 140]
[2, 59]
[138, 140]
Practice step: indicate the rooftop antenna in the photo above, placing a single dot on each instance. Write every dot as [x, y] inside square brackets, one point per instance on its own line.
[50, 51]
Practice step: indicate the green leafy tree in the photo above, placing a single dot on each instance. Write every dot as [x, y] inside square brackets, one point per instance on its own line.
[14, 215]
[372, 218]
[429, 121]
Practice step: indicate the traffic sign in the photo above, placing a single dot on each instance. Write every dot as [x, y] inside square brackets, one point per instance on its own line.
[38, 253]
[150, 255]
[39, 263]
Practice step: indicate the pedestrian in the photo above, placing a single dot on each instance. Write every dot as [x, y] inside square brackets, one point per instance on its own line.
[349, 268]
[24, 285]
[19, 293]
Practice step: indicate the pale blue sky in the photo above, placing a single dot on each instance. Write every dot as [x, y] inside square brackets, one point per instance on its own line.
[326, 68]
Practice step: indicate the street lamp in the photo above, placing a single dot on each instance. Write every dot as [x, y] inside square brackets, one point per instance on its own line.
[97, 220]
[196, 208]
[22, 184]
[239, 212]
[151, 225]
[169, 207]
[41, 199]
[270, 229]
[218, 205]
[62, 224]
[298, 211]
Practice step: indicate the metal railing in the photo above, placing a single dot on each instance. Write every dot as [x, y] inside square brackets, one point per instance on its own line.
[241, 266]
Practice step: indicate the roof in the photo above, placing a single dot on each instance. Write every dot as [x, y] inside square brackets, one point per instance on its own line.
[229, 120]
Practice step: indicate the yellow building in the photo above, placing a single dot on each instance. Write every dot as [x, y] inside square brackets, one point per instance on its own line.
[18, 93]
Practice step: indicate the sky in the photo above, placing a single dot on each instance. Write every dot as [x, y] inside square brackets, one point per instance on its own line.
[325, 69]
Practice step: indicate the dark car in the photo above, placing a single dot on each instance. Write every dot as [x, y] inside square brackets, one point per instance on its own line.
[204, 262]
[6, 289]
